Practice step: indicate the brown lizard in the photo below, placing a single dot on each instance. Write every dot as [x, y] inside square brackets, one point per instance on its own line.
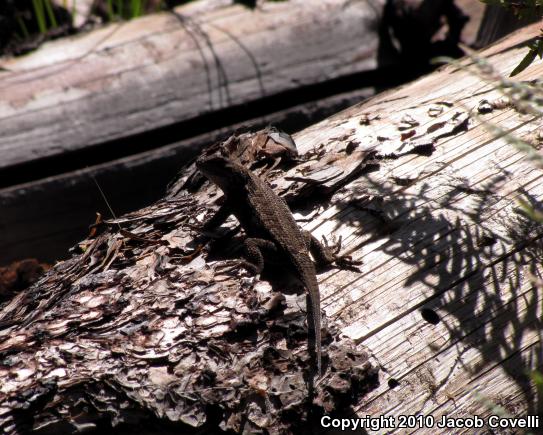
[269, 225]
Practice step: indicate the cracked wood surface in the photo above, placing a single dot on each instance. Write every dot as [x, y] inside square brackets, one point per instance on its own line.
[459, 247]
[446, 300]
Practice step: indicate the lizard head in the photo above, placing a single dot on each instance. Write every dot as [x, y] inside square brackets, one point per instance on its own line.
[222, 171]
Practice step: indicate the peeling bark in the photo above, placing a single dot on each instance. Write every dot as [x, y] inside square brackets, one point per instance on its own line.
[152, 320]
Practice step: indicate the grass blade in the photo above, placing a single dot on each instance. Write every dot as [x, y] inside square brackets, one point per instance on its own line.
[524, 63]
[22, 25]
[51, 14]
[136, 8]
[73, 12]
[110, 10]
[40, 15]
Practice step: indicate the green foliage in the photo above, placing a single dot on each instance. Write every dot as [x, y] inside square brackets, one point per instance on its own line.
[41, 16]
[136, 8]
[43, 10]
[130, 9]
[50, 13]
[536, 49]
[491, 406]
[73, 11]
[537, 378]
[536, 216]
[22, 26]
[110, 10]
[523, 9]
[29, 22]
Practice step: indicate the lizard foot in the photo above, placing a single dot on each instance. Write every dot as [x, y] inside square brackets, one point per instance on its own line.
[341, 261]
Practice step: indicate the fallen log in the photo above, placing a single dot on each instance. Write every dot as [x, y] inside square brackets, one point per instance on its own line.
[31, 230]
[65, 106]
[445, 300]
[158, 71]
[64, 117]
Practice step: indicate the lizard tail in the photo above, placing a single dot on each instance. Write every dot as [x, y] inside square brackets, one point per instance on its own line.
[314, 319]
[315, 314]
[307, 272]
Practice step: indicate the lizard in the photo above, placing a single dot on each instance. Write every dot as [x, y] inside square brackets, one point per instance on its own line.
[269, 225]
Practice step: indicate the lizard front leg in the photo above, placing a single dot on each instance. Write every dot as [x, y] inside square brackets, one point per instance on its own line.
[325, 254]
[218, 218]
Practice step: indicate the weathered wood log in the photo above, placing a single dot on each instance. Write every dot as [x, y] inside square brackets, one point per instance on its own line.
[117, 90]
[62, 179]
[218, 57]
[160, 70]
[28, 229]
[448, 299]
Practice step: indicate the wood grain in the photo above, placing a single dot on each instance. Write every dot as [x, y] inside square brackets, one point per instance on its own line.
[459, 247]
[162, 69]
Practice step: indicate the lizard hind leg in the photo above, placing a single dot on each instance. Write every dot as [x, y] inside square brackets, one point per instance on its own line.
[254, 259]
